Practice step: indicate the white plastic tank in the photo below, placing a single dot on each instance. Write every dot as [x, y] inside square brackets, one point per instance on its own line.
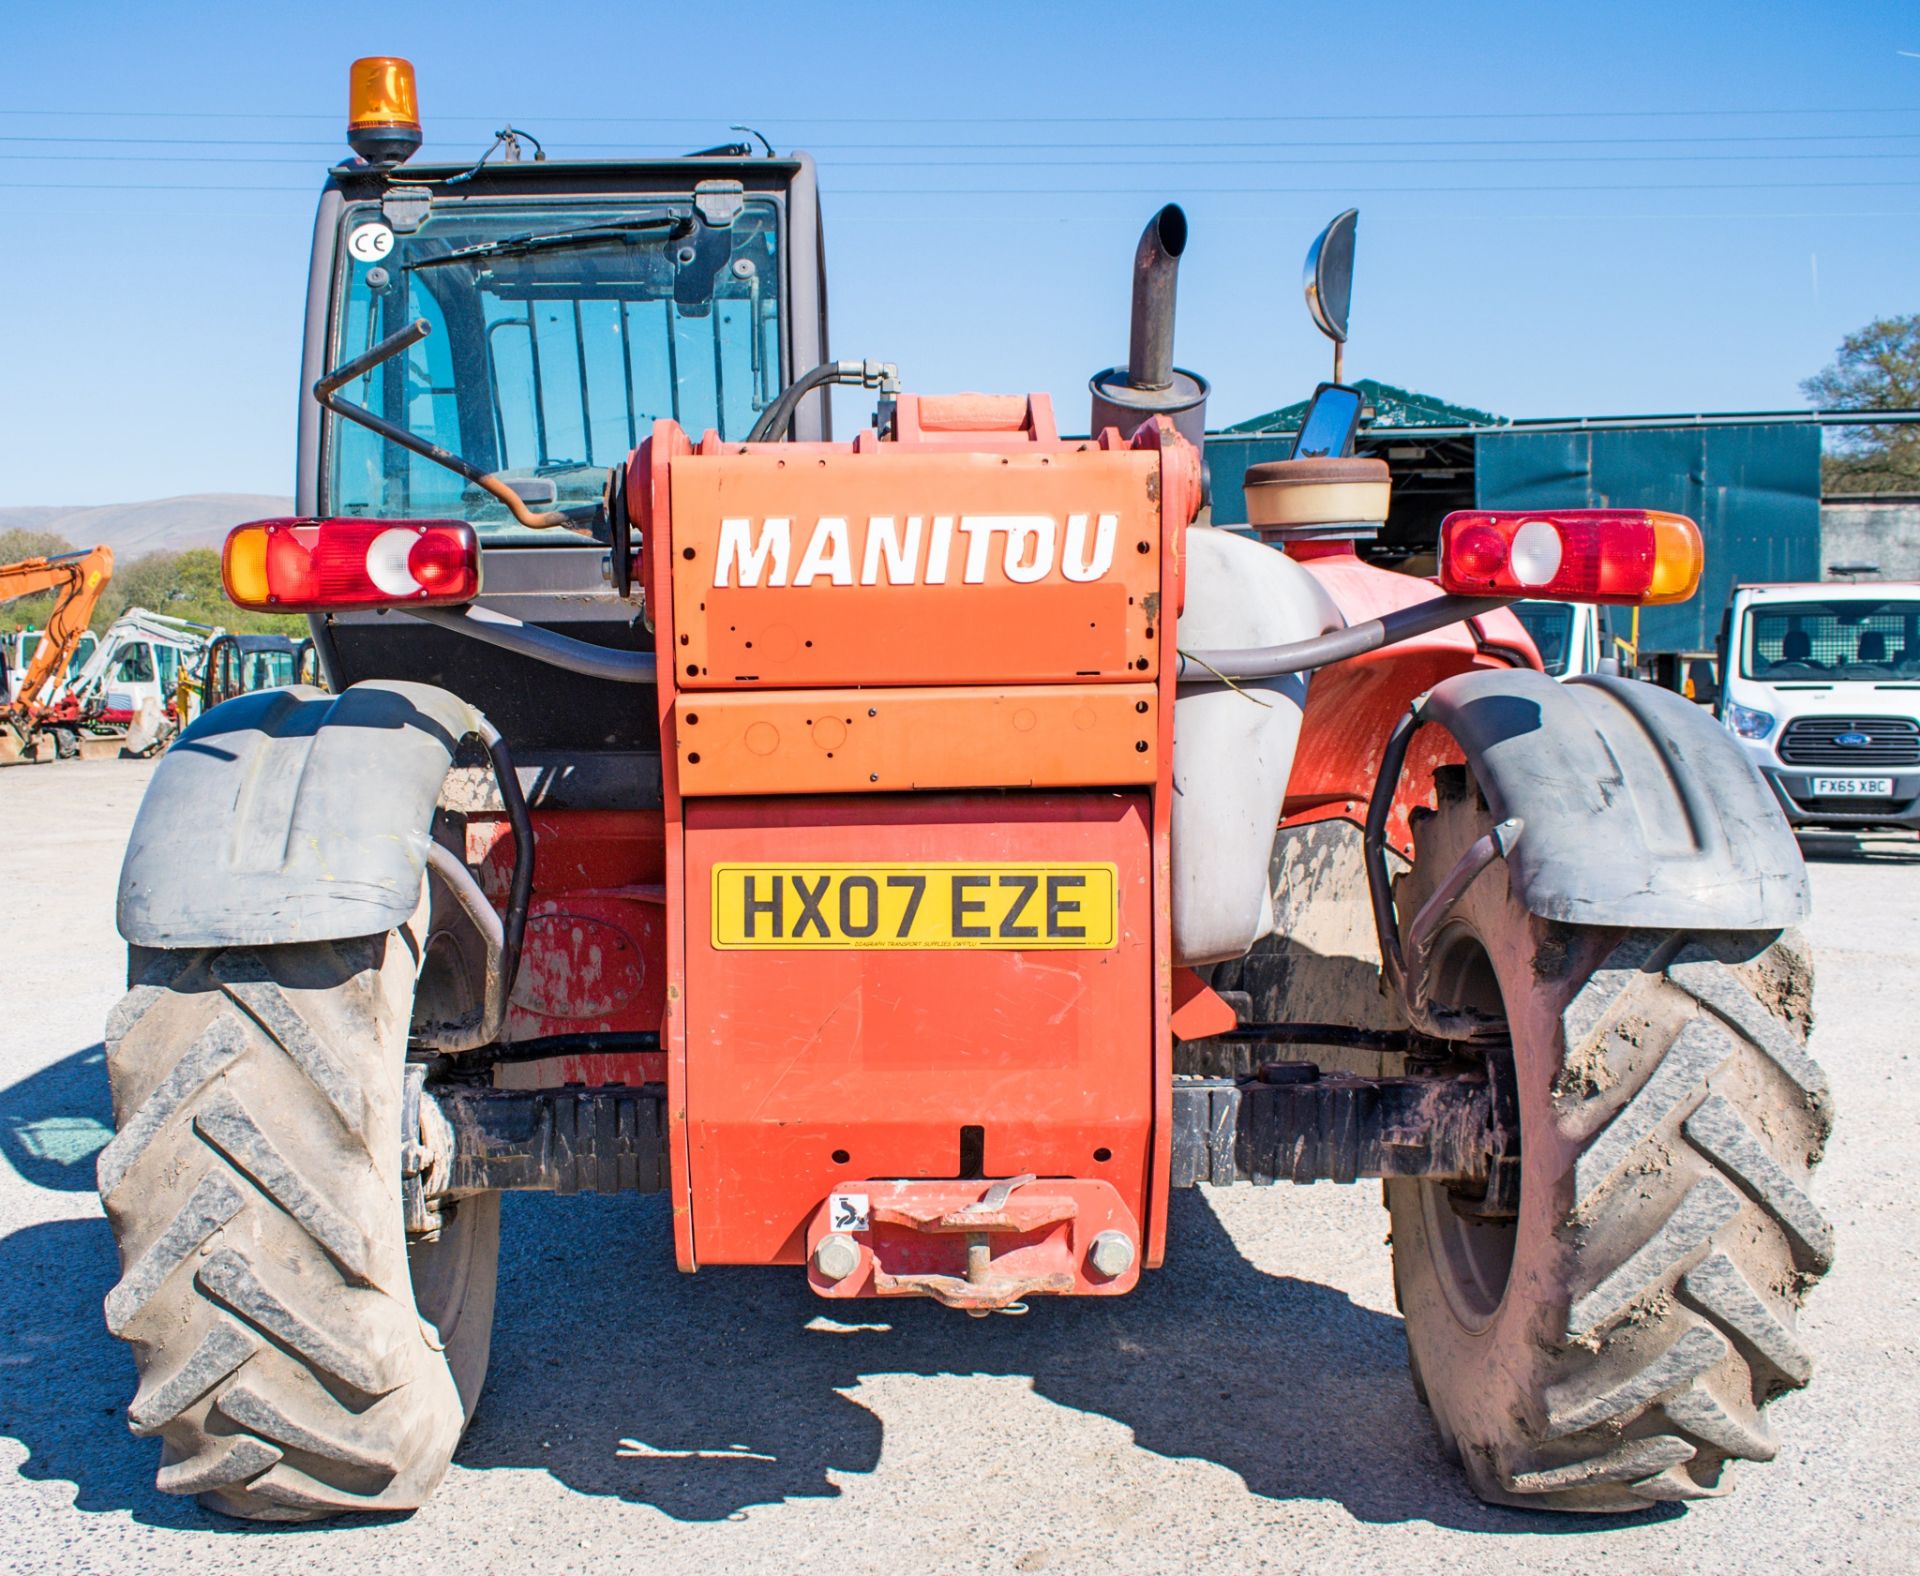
[1234, 743]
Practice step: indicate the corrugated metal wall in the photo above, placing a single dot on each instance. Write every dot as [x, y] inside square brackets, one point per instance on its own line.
[1754, 490]
[1229, 456]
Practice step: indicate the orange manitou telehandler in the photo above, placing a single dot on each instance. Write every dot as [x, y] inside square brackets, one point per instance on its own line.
[79, 578]
[916, 855]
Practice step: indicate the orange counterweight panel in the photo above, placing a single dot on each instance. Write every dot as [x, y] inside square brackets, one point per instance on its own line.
[806, 1070]
[872, 975]
[889, 566]
[882, 741]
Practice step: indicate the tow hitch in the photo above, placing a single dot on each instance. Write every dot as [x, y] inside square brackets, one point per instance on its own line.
[975, 1245]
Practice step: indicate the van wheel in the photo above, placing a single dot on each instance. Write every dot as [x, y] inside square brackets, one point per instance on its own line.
[1613, 1342]
[292, 1361]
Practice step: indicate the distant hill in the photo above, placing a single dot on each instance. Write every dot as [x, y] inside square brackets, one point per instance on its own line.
[157, 525]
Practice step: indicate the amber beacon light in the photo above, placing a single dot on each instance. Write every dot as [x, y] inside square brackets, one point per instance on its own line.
[383, 118]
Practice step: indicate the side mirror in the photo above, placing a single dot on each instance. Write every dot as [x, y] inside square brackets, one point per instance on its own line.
[1329, 280]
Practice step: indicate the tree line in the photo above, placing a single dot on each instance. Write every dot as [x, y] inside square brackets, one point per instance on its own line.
[184, 584]
[1878, 368]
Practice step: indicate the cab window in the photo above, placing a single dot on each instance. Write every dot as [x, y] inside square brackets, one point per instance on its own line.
[135, 665]
[558, 335]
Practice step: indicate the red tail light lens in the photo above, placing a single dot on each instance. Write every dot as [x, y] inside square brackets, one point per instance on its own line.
[1575, 555]
[320, 566]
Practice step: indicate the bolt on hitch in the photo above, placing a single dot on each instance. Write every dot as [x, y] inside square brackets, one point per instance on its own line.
[979, 1251]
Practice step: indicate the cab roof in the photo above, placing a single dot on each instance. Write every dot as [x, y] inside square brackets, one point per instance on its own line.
[1827, 590]
[584, 176]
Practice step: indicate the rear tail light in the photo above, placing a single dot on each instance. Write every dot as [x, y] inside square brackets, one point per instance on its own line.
[1574, 555]
[319, 566]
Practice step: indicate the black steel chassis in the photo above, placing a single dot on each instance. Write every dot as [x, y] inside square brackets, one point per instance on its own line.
[1288, 1123]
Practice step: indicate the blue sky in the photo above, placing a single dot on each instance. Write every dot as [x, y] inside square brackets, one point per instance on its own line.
[1564, 209]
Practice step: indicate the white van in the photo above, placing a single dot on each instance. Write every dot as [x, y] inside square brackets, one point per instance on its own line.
[1572, 637]
[1821, 685]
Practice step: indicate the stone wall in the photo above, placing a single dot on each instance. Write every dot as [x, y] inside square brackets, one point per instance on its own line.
[1887, 534]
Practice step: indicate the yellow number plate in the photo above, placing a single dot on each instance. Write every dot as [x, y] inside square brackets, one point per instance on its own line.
[1008, 907]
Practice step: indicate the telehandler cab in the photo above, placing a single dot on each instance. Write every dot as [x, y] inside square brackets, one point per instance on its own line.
[916, 855]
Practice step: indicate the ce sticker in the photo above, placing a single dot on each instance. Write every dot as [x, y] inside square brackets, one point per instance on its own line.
[370, 242]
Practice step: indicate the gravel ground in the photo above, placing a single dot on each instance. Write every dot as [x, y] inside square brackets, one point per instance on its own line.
[1249, 1408]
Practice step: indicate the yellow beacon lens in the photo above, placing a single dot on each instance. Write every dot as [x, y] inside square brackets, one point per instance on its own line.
[383, 111]
[381, 93]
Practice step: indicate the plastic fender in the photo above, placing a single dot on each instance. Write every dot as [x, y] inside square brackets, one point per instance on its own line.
[1637, 808]
[291, 815]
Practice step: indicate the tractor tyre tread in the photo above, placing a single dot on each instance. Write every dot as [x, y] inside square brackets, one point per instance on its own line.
[254, 1188]
[1676, 1128]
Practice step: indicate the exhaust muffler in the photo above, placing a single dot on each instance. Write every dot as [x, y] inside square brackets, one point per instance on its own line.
[1150, 384]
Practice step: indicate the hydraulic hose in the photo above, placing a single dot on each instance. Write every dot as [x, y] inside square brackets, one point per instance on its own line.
[520, 818]
[501, 938]
[776, 421]
[777, 418]
[545, 645]
[1266, 662]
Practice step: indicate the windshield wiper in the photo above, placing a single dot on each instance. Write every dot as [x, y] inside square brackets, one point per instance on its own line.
[675, 222]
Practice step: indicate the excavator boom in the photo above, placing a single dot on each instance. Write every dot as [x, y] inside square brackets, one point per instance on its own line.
[79, 578]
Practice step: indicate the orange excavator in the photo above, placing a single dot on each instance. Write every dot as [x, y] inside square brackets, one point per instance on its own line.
[79, 578]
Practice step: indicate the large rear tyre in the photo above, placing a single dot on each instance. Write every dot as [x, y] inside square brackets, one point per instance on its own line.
[292, 1361]
[1614, 1345]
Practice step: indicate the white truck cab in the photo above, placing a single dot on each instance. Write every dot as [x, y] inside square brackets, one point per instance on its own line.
[138, 662]
[21, 646]
[1572, 637]
[1821, 685]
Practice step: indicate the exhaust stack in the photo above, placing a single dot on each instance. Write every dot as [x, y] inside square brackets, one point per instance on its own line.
[1150, 384]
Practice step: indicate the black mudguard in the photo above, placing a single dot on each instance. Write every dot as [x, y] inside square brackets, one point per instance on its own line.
[291, 815]
[1637, 808]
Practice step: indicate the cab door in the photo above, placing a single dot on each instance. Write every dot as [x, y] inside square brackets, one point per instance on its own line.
[1722, 646]
[133, 677]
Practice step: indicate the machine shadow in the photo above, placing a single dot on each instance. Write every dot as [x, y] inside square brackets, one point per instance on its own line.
[55, 1122]
[65, 1383]
[705, 1395]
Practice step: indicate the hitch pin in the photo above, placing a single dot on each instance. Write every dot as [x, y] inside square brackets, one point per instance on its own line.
[979, 1248]
[995, 1198]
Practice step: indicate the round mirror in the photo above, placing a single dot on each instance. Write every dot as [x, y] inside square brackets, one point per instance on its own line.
[1329, 276]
